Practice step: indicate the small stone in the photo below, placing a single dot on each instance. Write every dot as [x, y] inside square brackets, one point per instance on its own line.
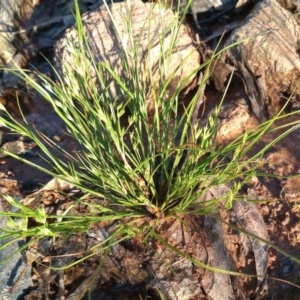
[3, 190]
[16, 147]
[57, 138]
[286, 220]
[265, 208]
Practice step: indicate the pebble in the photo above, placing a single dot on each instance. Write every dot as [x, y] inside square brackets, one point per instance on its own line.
[286, 220]
[57, 138]
[265, 208]
[3, 190]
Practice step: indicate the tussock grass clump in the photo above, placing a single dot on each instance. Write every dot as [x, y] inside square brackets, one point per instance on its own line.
[156, 164]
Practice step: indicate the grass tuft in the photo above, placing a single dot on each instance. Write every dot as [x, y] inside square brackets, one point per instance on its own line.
[145, 164]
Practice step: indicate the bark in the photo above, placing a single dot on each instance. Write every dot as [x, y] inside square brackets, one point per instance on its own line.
[13, 15]
[268, 59]
[148, 21]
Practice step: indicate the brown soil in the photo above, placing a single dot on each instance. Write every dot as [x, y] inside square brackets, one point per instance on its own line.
[279, 202]
[130, 268]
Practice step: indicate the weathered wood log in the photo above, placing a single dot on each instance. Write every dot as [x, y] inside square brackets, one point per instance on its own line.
[9, 15]
[151, 31]
[268, 59]
[19, 18]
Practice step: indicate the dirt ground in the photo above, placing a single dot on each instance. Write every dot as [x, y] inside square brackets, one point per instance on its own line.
[278, 201]
[279, 204]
